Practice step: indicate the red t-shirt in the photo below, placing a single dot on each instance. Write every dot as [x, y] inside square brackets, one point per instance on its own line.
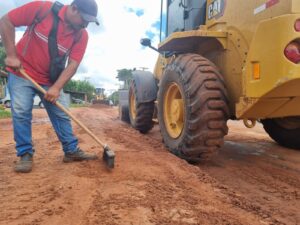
[32, 49]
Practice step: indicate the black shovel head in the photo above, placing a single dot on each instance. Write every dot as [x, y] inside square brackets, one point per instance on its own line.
[109, 157]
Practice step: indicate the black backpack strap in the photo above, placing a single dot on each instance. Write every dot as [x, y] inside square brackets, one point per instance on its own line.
[52, 39]
[38, 18]
[57, 62]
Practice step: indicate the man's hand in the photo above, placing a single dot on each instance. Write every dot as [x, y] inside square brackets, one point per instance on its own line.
[54, 91]
[7, 32]
[52, 94]
[13, 62]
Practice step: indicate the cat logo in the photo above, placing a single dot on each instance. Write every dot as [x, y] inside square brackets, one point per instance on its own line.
[216, 9]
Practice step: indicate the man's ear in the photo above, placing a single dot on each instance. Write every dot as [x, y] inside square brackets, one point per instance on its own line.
[74, 8]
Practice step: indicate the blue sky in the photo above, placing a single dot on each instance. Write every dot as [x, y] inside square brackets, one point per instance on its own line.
[116, 43]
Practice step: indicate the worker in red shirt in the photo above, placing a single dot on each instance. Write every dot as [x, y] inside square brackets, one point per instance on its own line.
[55, 34]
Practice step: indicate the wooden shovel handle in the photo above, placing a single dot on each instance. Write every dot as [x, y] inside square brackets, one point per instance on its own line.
[59, 105]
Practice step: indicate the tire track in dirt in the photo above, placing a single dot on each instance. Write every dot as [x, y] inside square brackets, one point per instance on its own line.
[266, 213]
[149, 185]
[269, 181]
[128, 137]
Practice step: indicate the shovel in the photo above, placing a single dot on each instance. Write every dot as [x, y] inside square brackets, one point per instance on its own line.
[108, 154]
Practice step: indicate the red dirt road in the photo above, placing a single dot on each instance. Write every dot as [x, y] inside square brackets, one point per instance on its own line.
[251, 181]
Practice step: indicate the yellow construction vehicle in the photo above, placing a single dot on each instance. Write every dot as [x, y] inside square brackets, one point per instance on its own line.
[220, 60]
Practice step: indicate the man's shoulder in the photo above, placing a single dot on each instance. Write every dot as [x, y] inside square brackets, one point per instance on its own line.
[45, 6]
[81, 35]
[27, 13]
[38, 6]
[85, 32]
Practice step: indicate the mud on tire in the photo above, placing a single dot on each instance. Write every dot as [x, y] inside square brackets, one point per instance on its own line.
[205, 107]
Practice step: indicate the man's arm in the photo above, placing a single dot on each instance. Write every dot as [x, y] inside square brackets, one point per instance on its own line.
[54, 91]
[7, 32]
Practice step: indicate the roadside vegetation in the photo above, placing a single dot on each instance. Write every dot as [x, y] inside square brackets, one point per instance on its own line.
[124, 75]
[4, 113]
[114, 97]
[78, 105]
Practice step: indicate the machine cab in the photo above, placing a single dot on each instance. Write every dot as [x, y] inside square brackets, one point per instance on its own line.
[182, 15]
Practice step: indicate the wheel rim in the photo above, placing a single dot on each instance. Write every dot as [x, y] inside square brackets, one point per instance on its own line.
[289, 123]
[173, 111]
[132, 105]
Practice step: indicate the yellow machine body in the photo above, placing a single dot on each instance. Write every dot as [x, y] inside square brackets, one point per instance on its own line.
[246, 41]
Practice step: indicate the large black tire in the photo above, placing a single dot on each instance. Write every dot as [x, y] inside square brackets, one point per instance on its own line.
[205, 107]
[285, 131]
[140, 114]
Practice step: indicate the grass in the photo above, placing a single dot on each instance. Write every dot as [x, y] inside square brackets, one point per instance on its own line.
[78, 105]
[4, 113]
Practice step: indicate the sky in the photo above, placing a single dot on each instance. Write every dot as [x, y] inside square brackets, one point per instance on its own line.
[115, 44]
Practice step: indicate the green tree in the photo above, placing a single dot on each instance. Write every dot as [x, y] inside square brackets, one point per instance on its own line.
[3, 80]
[126, 76]
[81, 86]
[2, 57]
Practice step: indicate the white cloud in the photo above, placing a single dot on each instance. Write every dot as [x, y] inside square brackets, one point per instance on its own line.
[115, 43]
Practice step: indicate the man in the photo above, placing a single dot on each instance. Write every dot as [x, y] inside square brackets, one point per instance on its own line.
[32, 54]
